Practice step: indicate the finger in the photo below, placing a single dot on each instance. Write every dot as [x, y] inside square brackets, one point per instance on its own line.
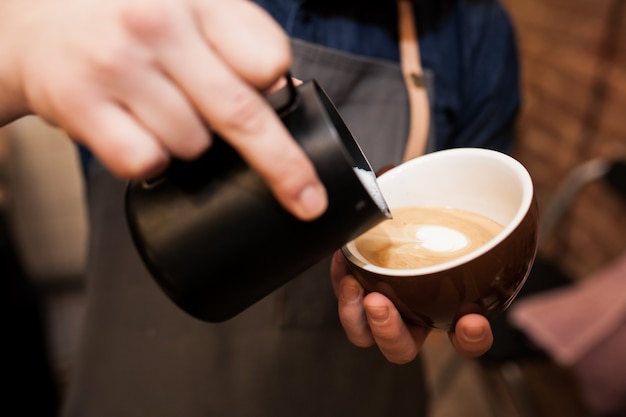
[351, 313]
[267, 54]
[244, 119]
[338, 270]
[397, 341]
[119, 142]
[472, 335]
[247, 122]
[164, 111]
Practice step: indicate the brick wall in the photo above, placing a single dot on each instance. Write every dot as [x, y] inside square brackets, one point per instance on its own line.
[573, 57]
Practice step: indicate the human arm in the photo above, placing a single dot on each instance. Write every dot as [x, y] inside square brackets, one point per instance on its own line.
[139, 81]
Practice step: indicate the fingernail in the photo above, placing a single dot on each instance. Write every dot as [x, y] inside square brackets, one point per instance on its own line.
[350, 293]
[474, 333]
[313, 201]
[378, 315]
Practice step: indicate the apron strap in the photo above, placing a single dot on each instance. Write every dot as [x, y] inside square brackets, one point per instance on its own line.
[410, 62]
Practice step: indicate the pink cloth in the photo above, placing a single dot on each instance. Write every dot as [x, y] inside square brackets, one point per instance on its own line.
[583, 327]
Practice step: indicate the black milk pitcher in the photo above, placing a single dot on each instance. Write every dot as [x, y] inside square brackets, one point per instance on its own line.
[215, 238]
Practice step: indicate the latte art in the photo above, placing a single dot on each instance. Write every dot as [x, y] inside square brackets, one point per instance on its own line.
[418, 237]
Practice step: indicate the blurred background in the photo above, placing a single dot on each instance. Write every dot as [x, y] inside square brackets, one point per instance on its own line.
[573, 58]
[572, 139]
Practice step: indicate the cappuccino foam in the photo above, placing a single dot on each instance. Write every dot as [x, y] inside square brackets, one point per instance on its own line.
[418, 237]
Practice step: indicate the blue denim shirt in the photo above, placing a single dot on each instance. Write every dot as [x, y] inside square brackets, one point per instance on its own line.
[468, 44]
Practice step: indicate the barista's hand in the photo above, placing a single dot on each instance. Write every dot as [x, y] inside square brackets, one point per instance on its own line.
[373, 319]
[139, 81]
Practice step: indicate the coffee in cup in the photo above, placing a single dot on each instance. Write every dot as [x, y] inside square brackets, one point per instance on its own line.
[419, 236]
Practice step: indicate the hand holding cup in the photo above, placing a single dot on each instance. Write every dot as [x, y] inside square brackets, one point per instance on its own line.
[475, 186]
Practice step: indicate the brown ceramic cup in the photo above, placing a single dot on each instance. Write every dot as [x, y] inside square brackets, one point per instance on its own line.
[484, 281]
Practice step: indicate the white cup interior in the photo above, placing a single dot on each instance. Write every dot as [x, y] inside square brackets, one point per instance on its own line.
[482, 181]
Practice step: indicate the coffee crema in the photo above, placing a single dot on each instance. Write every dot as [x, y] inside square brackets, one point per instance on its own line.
[418, 237]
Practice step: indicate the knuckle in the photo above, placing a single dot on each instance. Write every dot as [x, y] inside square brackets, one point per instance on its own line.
[147, 19]
[111, 61]
[141, 23]
[243, 111]
[60, 108]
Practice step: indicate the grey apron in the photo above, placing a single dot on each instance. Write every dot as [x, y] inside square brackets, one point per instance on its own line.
[285, 356]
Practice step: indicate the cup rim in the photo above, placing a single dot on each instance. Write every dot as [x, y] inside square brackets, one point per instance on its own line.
[520, 214]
